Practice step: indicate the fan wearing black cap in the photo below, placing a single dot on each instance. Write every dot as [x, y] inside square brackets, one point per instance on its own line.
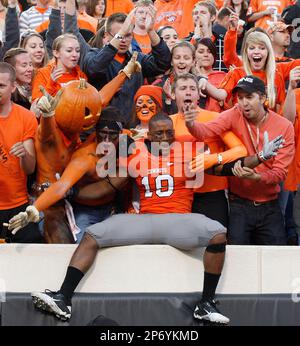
[255, 216]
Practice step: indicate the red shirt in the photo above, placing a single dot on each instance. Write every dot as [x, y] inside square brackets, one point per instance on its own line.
[272, 171]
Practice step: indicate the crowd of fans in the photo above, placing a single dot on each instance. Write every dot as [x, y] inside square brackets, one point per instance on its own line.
[186, 59]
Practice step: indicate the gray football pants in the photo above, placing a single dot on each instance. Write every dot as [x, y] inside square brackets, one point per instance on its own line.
[183, 231]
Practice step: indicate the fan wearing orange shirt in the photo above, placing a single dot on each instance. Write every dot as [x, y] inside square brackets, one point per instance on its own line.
[264, 12]
[162, 193]
[292, 112]
[140, 33]
[81, 169]
[280, 35]
[17, 156]
[258, 60]
[65, 68]
[118, 6]
[177, 13]
[210, 198]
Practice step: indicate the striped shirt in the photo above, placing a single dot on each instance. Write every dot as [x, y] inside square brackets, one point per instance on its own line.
[32, 18]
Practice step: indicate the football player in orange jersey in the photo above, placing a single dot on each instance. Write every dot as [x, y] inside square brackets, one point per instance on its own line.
[193, 230]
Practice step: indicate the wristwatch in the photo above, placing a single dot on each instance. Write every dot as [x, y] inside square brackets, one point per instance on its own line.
[220, 159]
[119, 37]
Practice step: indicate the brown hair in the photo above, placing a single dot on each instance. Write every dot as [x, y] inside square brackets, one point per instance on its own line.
[184, 44]
[91, 5]
[141, 3]
[97, 40]
[8, 68]
[209, 5]
[114, 18]
[10, 55]
[185, 76]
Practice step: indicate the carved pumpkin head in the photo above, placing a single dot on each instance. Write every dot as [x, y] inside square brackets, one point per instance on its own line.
[79, 107]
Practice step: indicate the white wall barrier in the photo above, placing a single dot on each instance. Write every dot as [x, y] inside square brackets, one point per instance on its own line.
[151, 268]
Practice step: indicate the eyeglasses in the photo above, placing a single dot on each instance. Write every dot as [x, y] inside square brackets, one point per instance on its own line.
[111, 135]
[126, 37]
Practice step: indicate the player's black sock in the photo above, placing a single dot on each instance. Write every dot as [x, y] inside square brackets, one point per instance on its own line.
[210, 285]
[72, 279]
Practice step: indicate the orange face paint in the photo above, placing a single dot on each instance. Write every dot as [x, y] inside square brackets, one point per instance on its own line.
[145, 108]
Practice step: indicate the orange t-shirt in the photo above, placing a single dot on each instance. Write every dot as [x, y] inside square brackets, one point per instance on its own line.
[161, 182]
[233, 76]
[293, 177]
[43, 77]
[215, 145]
[214, 78]
[18, 126]
[262, 5]
[82, 24]
[177, 13]
[144, 42]
[91, 22]
[114, 6]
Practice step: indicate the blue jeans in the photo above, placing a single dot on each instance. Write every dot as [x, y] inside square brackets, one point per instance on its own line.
[255, 225]
[86, 216]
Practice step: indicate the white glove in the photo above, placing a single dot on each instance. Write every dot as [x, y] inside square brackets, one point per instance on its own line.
[132, 66]
[22, 219]
[47, 103]
[271, 148]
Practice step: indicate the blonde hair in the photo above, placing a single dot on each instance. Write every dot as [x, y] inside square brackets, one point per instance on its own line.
[26, 36]
[270, 66]
[187, 44]
[57, 43]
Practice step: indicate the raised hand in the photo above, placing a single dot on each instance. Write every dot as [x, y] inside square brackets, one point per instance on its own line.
[151, 16]
[128, 25]
[233, 20]
[270, 148]
[294, 77]
[167, 87]
[190, 115]
[132, 66]
[47, 103]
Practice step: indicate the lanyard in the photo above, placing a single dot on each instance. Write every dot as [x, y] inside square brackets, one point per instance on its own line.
[255, 145]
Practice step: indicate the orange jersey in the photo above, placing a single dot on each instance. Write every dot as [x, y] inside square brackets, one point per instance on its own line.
[262, 5]
[233, 76]
[215, 144]
[114, 6]
[214, 78]
[144, 42]
[43, 78]
[293, 177]
[18, 126]
[177, 13]
[82, 24]
[162, 189]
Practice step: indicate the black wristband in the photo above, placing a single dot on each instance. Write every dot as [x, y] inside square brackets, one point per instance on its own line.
[72, 193]
[227, 167]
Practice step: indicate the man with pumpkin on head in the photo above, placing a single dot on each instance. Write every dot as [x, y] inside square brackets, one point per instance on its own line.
[74, 109]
